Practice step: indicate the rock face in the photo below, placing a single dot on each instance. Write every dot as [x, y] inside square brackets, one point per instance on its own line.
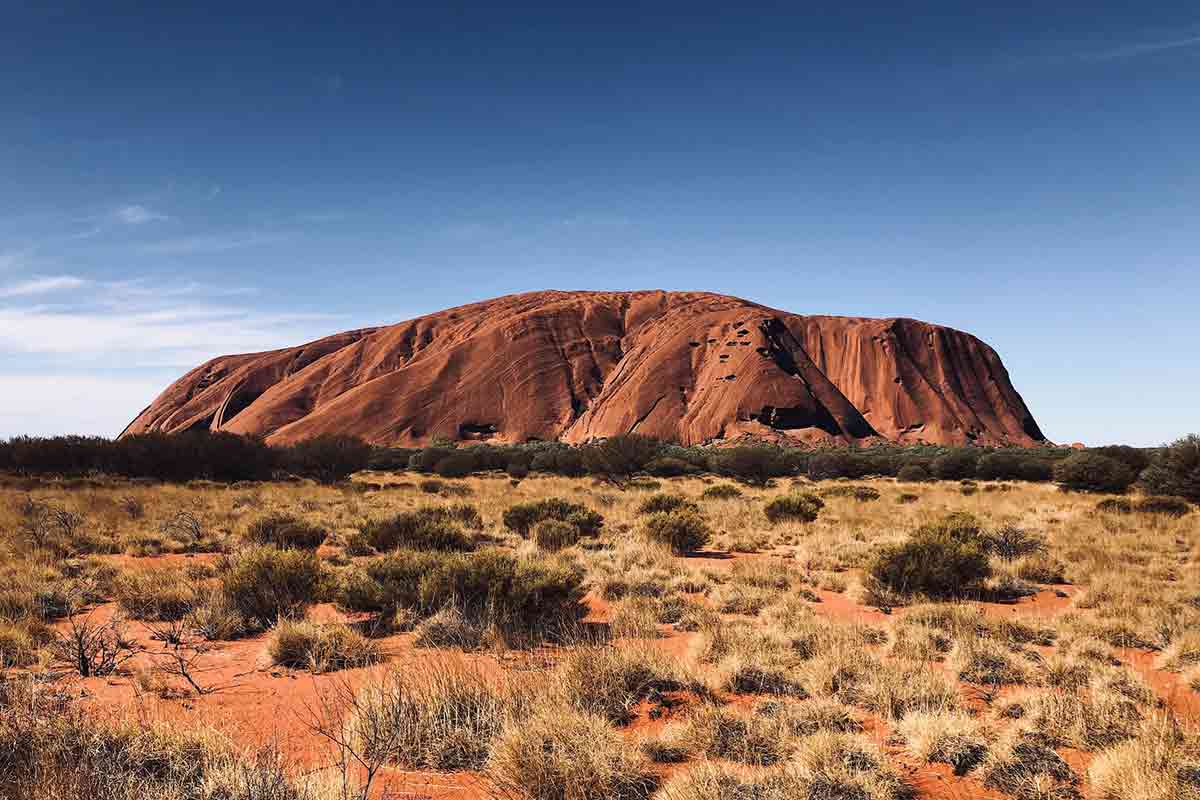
[689, 367]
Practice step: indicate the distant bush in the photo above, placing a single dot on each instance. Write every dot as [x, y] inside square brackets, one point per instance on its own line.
[907, 497]
[863, 494]
[1176, 470]
[752, 464]
[955, 465]
[667, 467]
[1168, 506]
[1136, 458]
[913, 473]
[559, 459]
[1035, 470]
[432, 528]
[619, 457]
[328, 459]
[265, 583]
[521, 517]
[931, 563]
[553, 535]
[1091, 472]
[666, 502]
[794, 508]
[827, 465]
[427, 459]
[999, 466]
[722, 491]
[459, 464]
[1115, 505]
[682, 531]
[224, 457]
[286, 532]
[517, 471]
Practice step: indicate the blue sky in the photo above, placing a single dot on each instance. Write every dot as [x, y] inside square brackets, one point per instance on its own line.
[179, 183]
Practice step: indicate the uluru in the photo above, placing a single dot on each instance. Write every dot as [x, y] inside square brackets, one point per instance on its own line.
[687, 367]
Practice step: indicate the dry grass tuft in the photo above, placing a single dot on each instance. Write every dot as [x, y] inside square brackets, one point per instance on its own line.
[566, 753]
[943, 737]
[300, 644]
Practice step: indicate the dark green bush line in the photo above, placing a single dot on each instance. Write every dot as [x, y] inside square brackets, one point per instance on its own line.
[223, 457]
[1171, 470]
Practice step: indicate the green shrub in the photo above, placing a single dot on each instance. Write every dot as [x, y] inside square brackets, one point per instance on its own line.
[1091, 472]
[619, 457]
[387, 583]
[553, 534]
[831, 464]
[666, 502]
[955, 465]
[286, 532]
[1136, 458]
[1169, 506]
[329, 458]
[1035, 470]
[667, 467]
[523, 516]
[863, 494]
[682, 531]
[1176, 470]
[755, 464]
[912, 473]
[265, 583]
[1115, 505]
[434, 528]
[513, 592]
[931, 563]
[458, 464]
[794, 508]
[998, 466]
[722, 491]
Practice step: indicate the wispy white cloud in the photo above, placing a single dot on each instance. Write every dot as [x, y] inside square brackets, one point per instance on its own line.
[213, 243]
[33, 286]
[1140, 49]
[137, 323]
[137, 215]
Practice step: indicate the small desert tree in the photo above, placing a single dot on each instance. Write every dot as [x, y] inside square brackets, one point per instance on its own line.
[1176, 471]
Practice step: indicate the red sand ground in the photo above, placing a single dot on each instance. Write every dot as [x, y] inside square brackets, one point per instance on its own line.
[259, 704]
